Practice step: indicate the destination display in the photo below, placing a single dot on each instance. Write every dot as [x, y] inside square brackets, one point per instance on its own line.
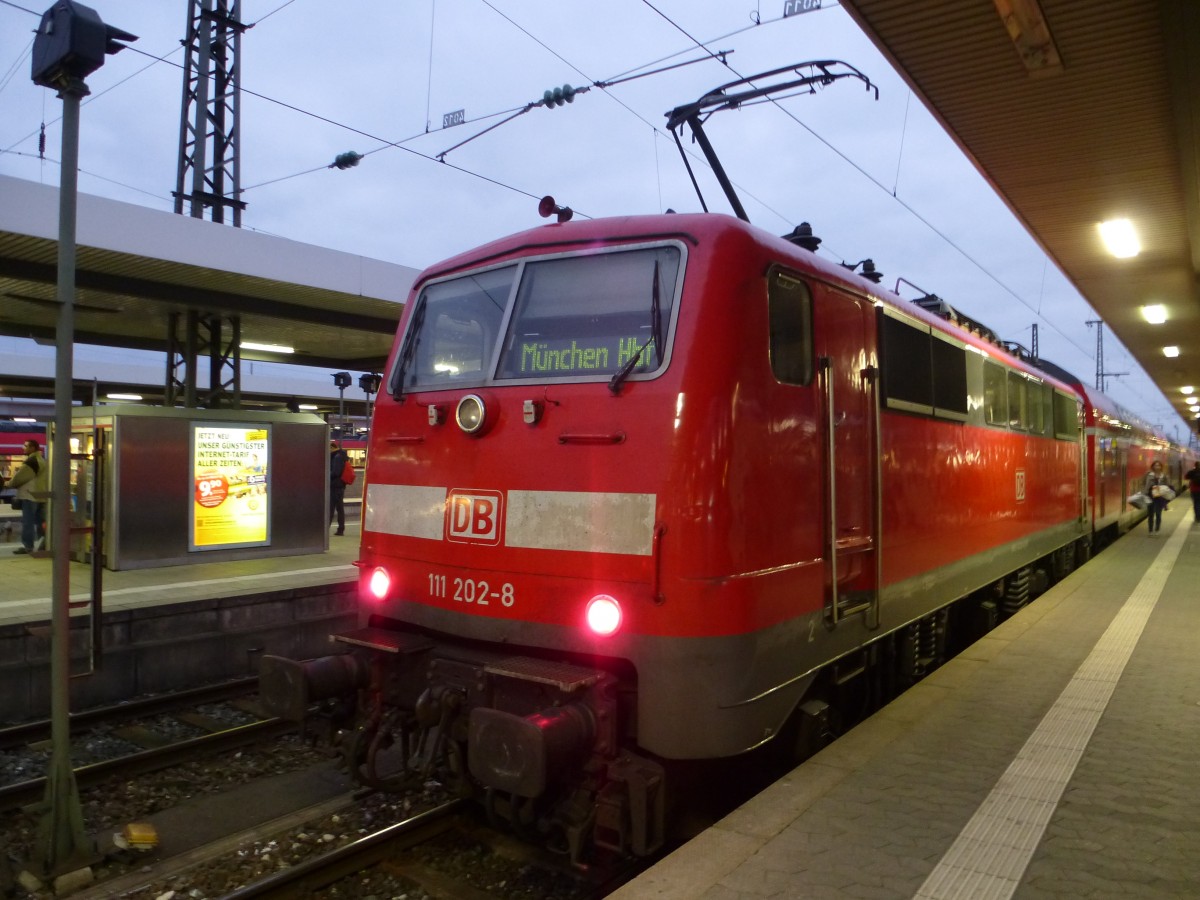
[589, 356]
[231, 496]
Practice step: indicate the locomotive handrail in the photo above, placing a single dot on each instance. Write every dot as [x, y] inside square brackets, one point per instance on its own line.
[825, 367]
[873, 376]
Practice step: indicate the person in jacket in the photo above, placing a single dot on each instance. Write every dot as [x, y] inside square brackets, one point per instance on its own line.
[337, 488]
[1192, 476]
[1152, 486]
[32, 482]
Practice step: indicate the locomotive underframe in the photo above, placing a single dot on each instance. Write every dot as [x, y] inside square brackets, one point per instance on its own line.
[536, 740]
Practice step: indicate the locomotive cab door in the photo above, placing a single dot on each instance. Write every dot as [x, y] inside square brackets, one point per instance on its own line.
[848, 380]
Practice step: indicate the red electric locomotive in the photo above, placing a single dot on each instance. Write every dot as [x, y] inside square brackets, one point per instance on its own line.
[668, 488]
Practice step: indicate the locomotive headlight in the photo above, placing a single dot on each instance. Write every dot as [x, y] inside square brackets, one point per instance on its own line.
[379, 583]
[604, 615]
[471, 414]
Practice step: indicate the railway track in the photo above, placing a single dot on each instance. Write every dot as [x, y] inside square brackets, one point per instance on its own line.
[442, 852]
[324, 870]
[159, 751]
[32, 732]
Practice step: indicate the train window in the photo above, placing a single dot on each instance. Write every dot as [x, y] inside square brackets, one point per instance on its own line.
[907, 357]
[949, 379]
[453, 331]
[1066, 417]
[995, 394]
[592, 315]
[1040, 409]
[1018, 401]
[789, 305]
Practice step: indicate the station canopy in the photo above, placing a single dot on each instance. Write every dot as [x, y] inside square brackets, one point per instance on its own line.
[136, 267]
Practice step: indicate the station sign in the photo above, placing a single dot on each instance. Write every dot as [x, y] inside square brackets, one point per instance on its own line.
[231, 495]
[796, 7]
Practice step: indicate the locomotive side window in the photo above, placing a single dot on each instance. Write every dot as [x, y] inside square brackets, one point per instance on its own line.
[907, 359]
[949, 378]
[1018, 408]
[924, 371]
[1066, 417]
[789, 306]
[592, 315]
[995, 394]
[453, 331]
[1041, 398]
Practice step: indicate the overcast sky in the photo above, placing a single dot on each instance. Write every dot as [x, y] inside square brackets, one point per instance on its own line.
[876, 179]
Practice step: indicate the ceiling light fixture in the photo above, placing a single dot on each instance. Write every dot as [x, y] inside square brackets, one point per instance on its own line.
[1171, 351]
[1155, 313]
[269, 348]
[1027, 29]
[122, 396]
[1120, 238]
[1186, 390]
[309, 406]
[1191, 399]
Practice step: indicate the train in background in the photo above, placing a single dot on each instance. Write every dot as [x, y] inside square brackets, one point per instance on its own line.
[663, 488]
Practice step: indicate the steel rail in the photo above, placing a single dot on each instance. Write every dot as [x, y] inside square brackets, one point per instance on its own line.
[31, 791]
[320, 871]
[39, 730]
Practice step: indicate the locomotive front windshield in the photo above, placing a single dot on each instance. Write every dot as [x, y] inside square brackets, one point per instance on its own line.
[576, 318]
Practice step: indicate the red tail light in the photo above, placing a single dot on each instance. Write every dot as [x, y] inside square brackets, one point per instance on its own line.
[604, 615]
[379, 584]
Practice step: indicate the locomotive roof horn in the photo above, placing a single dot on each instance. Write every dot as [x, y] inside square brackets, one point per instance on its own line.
[547, 208]
[809, 76]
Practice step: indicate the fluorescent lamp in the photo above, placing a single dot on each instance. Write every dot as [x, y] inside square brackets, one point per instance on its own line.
[269, 348]
[1027, 29]
[1120, 238]
[1155, 314]
[1191, 400]
[1194, 408]
[1171, 351]
[1186, 390]
[23, 420]
[309, 406]
[122, 396]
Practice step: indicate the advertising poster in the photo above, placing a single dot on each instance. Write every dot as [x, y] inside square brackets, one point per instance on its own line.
[232, 494]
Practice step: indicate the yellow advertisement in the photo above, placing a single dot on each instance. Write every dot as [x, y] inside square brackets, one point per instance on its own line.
[231, 500]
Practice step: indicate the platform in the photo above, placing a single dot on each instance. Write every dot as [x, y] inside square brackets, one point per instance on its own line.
[26, 581]
[1056, 757]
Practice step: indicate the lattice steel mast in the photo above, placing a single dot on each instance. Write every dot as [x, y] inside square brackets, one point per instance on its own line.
[210, 125]
[209, 178]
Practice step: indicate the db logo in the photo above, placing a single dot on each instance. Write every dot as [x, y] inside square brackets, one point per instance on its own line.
[474, 517]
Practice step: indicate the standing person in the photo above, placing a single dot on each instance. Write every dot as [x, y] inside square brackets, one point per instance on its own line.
[1152, 486]
[1193, 479]
[32, 481]
[337, 488]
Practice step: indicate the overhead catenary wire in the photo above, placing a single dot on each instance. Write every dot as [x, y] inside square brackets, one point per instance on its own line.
[384, 142]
